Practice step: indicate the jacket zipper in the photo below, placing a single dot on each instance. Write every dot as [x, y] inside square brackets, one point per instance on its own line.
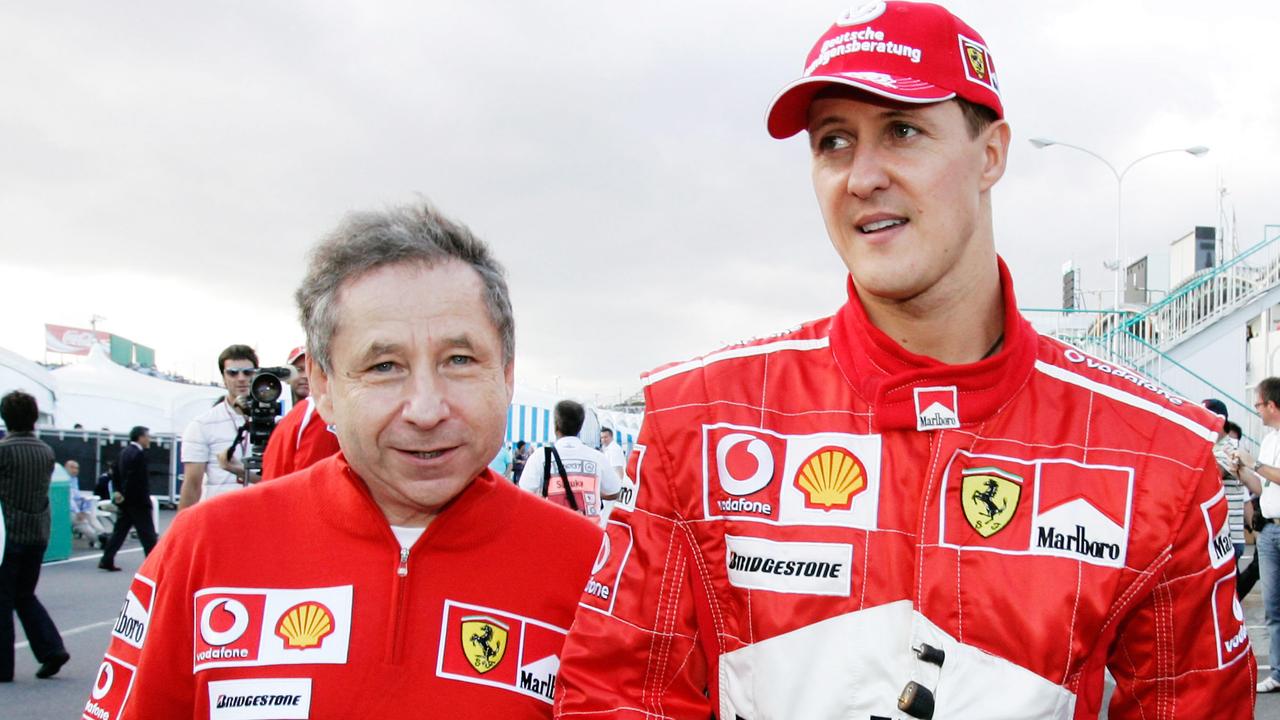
[398, 601]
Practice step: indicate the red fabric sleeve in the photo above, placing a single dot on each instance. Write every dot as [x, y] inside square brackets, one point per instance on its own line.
[634, 649]
[1183, 652]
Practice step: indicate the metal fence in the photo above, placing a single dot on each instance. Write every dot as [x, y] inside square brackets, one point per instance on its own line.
[1139, 340]
[95, 451]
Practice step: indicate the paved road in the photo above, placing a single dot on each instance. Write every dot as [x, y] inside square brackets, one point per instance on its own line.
[84, 601]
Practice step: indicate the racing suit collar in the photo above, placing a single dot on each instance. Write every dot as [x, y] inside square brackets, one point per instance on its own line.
[887, 376]
[465, 521]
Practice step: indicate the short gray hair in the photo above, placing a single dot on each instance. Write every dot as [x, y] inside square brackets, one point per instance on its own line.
[367, 241]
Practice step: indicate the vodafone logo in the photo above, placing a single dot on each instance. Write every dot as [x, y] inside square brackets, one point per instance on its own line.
[754, 473]
[243, 627]
[756, 448]
[106, 677]
[239, 621]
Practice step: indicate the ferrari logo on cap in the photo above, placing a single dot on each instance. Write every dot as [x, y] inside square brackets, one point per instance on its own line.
[977, 64]
[484, 641]
[990, 498]
[976, 61]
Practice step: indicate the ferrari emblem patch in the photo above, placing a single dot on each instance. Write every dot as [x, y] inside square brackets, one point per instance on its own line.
[977, 66]
[484, 641]
[976, 60]
[990, 498]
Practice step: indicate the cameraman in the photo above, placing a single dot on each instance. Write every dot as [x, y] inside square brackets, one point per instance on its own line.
[214, 430]
[302, 437]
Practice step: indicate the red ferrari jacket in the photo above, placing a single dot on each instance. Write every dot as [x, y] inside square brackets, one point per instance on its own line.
[292, 599]
[301, 439]
[826, 525]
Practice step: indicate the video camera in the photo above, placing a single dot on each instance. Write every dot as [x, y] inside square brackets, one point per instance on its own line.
[261, 407]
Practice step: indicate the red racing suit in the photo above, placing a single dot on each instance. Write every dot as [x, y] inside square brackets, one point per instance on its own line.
[814, 509]
[301, 439]
[293, 599]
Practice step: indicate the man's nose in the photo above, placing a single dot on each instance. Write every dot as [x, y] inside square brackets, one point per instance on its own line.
[867, 171]
[426, 404]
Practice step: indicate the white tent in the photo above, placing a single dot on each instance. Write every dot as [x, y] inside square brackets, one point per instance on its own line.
[19, 373]
[98, 393]
[530, 419]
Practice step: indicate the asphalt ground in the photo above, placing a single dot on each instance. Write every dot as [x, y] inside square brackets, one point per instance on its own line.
[84, 601]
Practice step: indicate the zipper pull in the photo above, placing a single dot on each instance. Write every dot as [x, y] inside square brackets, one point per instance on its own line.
[403, 570]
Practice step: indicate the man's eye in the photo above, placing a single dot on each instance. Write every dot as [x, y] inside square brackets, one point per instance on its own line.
[828, 143]
[461, 359]
[903, 131]
[384, 367]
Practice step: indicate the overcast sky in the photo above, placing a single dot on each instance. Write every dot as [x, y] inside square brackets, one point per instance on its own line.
[166, 164]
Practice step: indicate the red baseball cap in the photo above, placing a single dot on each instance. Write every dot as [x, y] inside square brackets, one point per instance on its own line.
[296, 353]
[913, 52]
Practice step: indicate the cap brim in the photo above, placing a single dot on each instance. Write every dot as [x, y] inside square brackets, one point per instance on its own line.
[788, 114]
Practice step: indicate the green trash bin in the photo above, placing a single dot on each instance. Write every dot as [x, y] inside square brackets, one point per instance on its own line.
[59, 521]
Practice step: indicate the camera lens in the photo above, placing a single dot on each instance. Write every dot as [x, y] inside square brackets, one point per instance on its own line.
[266, 388]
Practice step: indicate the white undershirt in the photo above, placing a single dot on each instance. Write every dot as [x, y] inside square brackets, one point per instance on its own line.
[407, 536]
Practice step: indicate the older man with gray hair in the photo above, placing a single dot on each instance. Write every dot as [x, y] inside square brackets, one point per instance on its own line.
[391, 580]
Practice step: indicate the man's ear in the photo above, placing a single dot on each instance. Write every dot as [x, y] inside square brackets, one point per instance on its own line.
[319, 380]
[995, 151]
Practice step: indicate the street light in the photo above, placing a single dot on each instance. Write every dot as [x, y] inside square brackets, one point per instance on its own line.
[1197, 150]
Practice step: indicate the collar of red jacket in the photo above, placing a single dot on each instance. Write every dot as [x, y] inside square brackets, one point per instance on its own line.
[888, 377]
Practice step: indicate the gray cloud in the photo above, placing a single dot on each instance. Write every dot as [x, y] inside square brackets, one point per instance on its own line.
[614, 155]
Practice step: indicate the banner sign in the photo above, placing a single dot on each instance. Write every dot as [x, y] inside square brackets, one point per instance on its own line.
[74, 341]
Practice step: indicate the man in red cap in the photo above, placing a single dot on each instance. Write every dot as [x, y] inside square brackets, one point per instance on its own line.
[918, 507]
[302, 437]
[298, 383]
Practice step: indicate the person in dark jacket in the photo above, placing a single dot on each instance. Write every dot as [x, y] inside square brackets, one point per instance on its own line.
[26, 466]
[133, 498]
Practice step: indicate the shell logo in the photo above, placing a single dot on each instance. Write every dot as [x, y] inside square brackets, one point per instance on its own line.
[305, 625]
[830, 477]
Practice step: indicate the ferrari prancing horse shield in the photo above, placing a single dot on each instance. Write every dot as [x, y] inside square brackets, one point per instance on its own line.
[989, 496]
[976, 60]
[484, 641]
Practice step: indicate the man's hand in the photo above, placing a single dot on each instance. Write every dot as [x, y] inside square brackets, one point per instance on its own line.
[1251, 479]
[231, 465]
[1243, 459]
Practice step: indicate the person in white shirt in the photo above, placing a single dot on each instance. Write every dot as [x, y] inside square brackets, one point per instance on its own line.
[591, 479]
[613, 452]
[1266, 470]
[84, 516]
[214, 430]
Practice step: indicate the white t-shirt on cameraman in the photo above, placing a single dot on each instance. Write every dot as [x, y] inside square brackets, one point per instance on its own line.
[208, 434]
